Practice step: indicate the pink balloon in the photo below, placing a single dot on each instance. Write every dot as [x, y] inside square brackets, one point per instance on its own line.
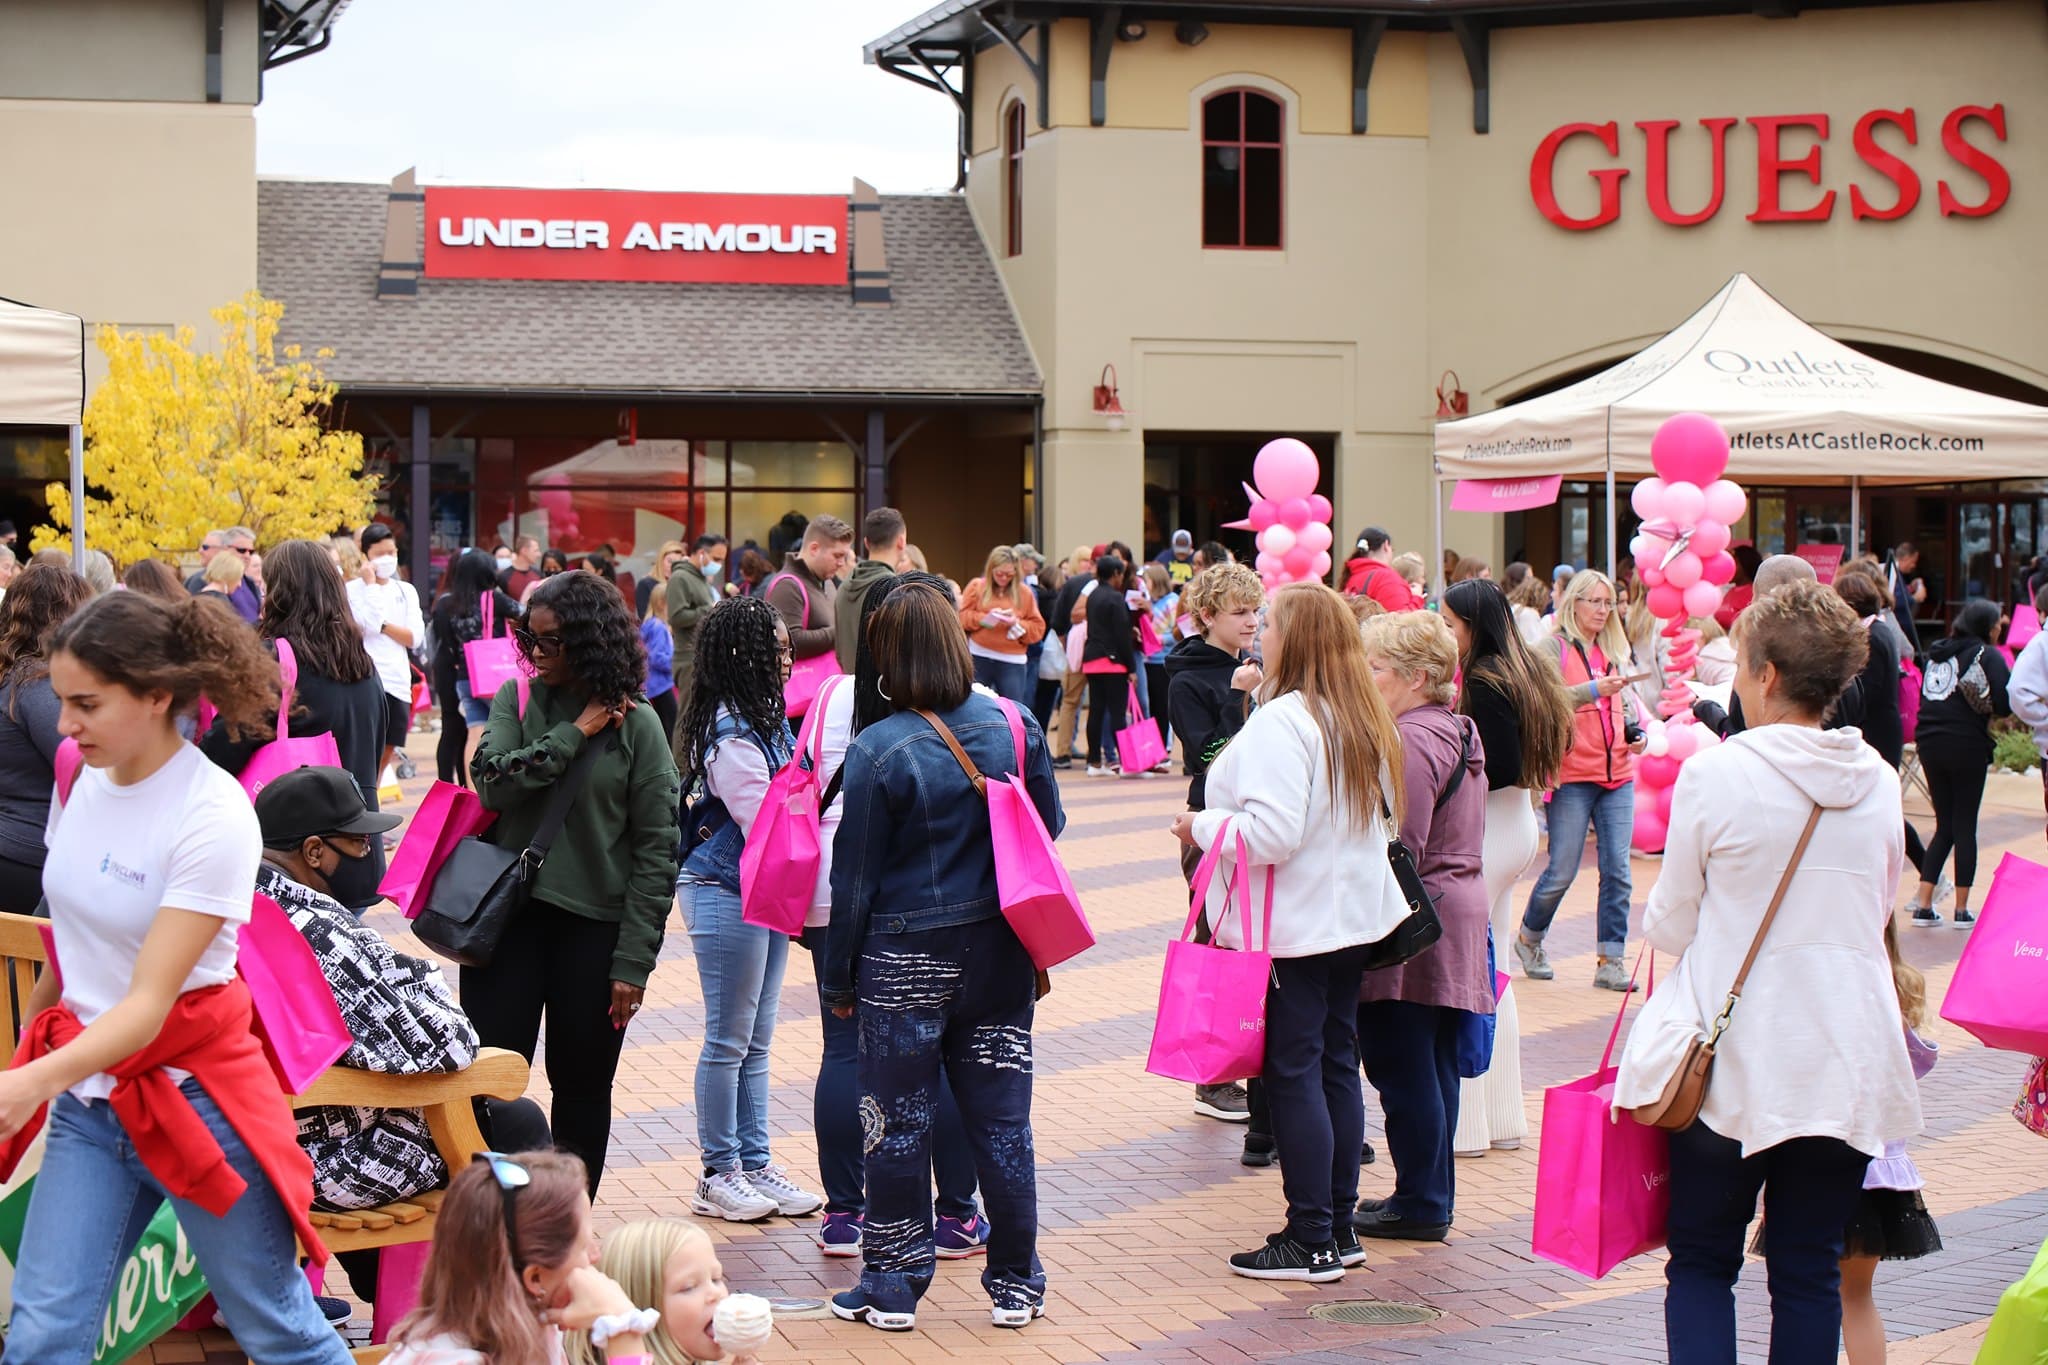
[1655, 770]
[1709, 538]
[1267, 564]
[1726, 501]
[1683, 741]
[1654, 548]
[1294, 513]
[1262, 515]
[1664, 804]
[1702, 599]
[1276, 540]
[1684, 503]
[1650, 832]
[1315, 535]
[1286, 469]
[1321, 568]
[1666, 602]
[1683, 571]
[1690, 447]
[1319, 508]
[1299, 563]
[1647, 570]
[1647, 498]
[1719, 570]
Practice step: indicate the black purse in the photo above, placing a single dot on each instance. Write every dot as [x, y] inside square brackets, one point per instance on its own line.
[482, 886]
[1420, 928]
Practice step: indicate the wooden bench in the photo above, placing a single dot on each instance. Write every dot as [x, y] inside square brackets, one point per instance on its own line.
[445, 1098]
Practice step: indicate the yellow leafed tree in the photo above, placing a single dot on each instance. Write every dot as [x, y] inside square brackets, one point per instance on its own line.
[181, 441]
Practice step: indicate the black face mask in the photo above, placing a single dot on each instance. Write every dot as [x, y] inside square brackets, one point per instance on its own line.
[354, 881]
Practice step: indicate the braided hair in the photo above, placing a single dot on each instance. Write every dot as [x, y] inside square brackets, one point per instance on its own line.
[737, 666]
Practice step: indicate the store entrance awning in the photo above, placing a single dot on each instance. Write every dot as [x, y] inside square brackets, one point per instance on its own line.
[42, 367]
[1799, 407]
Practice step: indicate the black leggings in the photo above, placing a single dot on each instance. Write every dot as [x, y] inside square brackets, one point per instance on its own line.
[664, 704]
[454, 743]
[1109, 695]
[1956, 784]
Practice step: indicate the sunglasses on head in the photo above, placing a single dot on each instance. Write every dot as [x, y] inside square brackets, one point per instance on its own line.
[512, 1178]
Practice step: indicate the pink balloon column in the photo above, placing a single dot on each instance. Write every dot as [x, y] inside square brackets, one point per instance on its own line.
[1681, 554]
[1291, 519]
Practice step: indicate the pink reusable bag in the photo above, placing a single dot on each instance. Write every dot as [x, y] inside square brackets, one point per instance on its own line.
[284, 754]
[448, 815]
[1037, 895]
[1999, 992]
[1138, 745]
[779, 866]
[806, 676]
[1603, 1185]
[1211, 1025]
[2026, 624]
[493, 660]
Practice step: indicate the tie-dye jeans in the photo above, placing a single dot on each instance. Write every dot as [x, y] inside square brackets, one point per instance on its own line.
[959, 997]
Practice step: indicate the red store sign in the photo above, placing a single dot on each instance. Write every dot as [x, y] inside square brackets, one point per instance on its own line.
[517, 234]
[1789, 168]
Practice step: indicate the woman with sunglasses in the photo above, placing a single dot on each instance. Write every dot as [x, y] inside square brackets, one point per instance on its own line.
[578, 956]
[457, 619]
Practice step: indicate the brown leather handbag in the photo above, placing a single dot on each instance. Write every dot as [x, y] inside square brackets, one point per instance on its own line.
[1686, 1092]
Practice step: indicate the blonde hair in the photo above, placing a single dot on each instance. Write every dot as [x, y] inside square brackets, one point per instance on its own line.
[668, 547]
[1408, 564]
[657, 602]
[1907, 980]
[1613, 637]
[1158, 582]
[226, 570]
[1321, 656]
[636, 1257]
[1220, 588]
[1082, 560]
[997, 558]
[917, 559]
[1470, 568]
[1364, 608]
[1532, 592]
[346, 553]
[1417, 642]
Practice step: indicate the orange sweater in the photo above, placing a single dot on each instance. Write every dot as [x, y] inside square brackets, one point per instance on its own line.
[973, 606]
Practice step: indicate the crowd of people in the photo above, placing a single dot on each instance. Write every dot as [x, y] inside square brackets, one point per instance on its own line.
[1329, 739]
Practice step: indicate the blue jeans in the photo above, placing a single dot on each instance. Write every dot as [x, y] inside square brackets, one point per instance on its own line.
[1811, 1187]
[475, 710]
[1612, 814]
[1010, 681]
[836, 1115]
[92, 1200]
[740, 968]
[1411, 1058]
[957, 1000]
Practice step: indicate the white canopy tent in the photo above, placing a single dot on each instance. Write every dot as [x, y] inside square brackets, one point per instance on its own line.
[42, 383]
[1799, 407]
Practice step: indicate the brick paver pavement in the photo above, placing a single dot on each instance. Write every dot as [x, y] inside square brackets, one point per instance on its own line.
[1141, 1200]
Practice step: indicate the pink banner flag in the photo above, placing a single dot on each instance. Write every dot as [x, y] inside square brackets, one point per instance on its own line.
[1824, 558]
[1504, 495]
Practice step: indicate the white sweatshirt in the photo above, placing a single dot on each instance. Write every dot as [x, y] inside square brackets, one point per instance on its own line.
[1333, 887]
[2028, 688]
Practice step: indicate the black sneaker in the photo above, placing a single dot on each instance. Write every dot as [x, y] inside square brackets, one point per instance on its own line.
[1283, 1258]
[1964, 919]
[1375, 1219]
[1063, 763]
[1259, 1150]
[336, 1311]
[1368, 1156]
[1925, 918]
[1349, 1252]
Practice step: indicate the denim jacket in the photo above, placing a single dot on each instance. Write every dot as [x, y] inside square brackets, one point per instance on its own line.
[714, 839]
[913, 851]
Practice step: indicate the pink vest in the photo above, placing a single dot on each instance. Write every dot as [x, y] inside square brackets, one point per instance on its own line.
[1599, 752]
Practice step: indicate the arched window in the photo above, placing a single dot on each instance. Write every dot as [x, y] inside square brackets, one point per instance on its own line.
[1241, 170]
[1013, 179]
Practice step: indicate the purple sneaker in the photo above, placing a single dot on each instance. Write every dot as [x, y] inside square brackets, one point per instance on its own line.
[955, 1238]
[840, 1235]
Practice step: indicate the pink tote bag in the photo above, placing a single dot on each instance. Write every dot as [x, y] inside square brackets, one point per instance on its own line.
[1037, 895]
[1603, 1186]
[1211, 1025]
[448, 815]
[1999, 992]
[494, 660]
[779, 867]
[285, 753]
[1138, 745]
[301, 1026]
[806, 676]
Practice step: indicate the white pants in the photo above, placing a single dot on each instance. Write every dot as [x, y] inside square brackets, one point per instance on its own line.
[1490, 1108]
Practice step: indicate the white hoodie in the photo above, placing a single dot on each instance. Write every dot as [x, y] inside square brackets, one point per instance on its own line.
[2028, 689]
[1815, 1048]
[1333, 886]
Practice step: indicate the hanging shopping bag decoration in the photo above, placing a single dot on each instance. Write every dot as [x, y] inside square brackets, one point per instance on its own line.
[1032, 885]
[779, 866]
[1999, 992]
[296, 1017]
[447, 815]
[286, 753]
[1138, 745]
[1211, 1024]
[493, 660]
[1603, 1186]
[806, 676]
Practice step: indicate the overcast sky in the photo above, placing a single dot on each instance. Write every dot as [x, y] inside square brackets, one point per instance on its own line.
[634, 94]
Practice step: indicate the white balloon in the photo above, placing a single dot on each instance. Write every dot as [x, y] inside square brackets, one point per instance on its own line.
[1276, 539]
[1657, 746]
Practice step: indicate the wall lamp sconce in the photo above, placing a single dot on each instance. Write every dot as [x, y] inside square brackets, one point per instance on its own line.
[1106, 401]
[1191, 33]
[1131, 30]
[1451, 401]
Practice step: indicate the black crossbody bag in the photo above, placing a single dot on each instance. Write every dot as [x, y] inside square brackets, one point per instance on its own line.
[1420, 928]
[482, 886]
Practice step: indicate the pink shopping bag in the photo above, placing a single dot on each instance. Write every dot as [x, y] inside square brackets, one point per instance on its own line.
[779, 866]
[285, 753]
[1603, 1186]
[2026, 624]
[1138, 745]
[1037, 895]
[301, 1026]
[493, 660]
[1211, 1025]
[448, 815]
[1999, 992]
[806, 676]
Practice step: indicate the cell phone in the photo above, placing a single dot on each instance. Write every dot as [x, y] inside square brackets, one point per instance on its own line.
[1635, 678]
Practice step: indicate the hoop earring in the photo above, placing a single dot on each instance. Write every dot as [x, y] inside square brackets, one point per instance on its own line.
[881, 687]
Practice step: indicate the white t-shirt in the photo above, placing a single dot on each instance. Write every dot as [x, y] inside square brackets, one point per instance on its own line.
[375, 604]
[186, 837]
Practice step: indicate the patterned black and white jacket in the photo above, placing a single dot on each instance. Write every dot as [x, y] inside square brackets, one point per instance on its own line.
[405, 1021]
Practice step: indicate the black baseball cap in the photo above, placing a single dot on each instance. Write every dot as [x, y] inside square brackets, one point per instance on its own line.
[308, 802]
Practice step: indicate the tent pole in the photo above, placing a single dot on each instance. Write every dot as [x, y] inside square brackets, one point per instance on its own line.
[1610, 521]
[1436, 507]
[78, 498]
[1855, 515]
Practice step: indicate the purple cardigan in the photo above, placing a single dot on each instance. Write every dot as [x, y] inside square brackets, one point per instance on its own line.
[1447, 843]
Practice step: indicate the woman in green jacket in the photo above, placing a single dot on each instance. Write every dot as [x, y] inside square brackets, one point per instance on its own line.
[581, 951]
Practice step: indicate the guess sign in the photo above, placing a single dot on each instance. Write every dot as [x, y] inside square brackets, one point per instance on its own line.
[1790, 149]
[514, 234]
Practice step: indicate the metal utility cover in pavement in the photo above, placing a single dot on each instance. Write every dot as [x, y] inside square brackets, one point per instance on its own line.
[1374, 1312]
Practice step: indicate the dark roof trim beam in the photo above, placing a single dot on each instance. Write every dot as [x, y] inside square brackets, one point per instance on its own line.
[1472, 36]
[1365, 46]
[1102, 27]
[1036, 66]
[216, 24]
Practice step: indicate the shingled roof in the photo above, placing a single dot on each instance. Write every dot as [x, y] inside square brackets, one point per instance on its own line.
[949, 330]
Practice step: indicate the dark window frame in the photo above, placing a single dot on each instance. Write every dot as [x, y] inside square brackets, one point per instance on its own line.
[1013, 178]
[1242, 144]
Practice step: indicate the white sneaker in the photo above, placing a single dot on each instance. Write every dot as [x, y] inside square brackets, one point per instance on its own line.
[731, 1196]
[791, 1199]
[1094, 771]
